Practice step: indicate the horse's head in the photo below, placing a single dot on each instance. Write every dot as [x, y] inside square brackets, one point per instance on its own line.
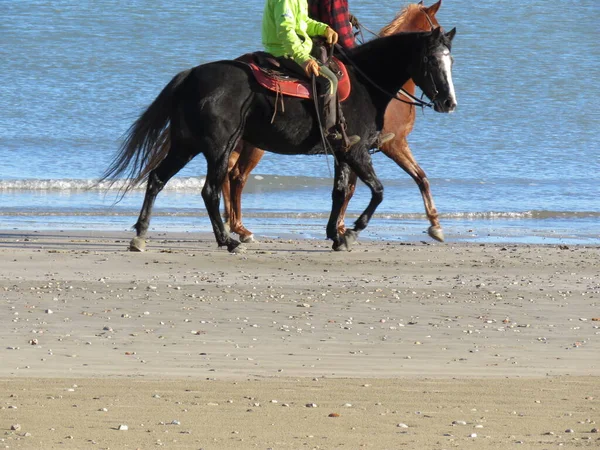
[414, 17]
[434, 71]
[430, 12]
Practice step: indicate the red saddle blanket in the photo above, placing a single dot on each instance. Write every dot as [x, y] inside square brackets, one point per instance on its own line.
[267, 72]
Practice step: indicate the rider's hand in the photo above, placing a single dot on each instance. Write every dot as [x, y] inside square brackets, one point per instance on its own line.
[311, 67]
[331, 36]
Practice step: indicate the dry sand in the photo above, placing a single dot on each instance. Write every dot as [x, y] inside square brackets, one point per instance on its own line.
[418, 346]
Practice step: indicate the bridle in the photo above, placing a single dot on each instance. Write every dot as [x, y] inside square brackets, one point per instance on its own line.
[428, 72]
[412, 100]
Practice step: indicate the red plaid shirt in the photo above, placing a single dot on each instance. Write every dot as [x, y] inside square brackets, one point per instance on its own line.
[335, 14]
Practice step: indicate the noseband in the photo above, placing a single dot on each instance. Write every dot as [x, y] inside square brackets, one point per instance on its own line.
[428, 72]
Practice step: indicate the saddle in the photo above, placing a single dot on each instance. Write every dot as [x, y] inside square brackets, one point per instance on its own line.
[269, 74]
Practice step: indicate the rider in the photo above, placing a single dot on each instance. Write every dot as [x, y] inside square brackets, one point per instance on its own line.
[286, 33]
[335, 13]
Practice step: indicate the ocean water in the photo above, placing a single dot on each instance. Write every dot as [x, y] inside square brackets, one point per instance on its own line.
[517, 162]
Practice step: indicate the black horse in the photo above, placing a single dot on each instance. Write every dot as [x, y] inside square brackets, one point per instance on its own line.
[209, 108]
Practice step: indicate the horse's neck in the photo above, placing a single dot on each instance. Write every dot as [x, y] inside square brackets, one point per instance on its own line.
[386, 63]
[410, 87]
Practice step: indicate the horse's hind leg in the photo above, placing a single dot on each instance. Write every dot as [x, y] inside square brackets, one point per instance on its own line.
[216, 171]
[173, 163]
[248, 159]
[400, 152]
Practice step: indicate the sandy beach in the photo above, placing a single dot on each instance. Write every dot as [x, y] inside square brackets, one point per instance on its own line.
[293, 346]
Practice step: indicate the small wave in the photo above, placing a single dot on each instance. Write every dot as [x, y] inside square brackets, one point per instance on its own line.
[537, 215]
[256, 183]
[258, 214]
[176, 184]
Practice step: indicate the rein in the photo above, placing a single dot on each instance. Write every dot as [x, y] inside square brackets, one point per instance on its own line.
[359, 26]
[415, 101]
[326, 145]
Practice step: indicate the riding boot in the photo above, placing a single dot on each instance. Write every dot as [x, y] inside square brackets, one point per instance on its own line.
[329, 120]
[335, 130]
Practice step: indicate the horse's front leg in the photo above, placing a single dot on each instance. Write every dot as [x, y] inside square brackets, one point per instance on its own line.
[360, 162]
[338, 196]
[352, 179]
[400, 152]
[248, 160]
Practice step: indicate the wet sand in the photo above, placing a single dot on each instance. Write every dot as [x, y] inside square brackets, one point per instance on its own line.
[191, 347]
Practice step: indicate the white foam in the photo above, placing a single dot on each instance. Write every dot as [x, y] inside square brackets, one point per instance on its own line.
[176, 184]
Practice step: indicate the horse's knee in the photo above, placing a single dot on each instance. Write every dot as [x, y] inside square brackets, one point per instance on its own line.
[377, 193]
[237, 177]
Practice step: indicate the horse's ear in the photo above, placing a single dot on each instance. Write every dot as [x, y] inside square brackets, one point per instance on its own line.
[420, 3]
[433, 9]
[450, 34]
[436, 32]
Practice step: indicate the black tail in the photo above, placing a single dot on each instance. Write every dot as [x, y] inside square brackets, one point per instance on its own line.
[147, 141]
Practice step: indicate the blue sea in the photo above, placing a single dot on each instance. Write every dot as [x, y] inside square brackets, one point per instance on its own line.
[518, 162]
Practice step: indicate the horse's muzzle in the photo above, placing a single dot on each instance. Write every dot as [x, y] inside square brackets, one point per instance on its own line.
[445, 106]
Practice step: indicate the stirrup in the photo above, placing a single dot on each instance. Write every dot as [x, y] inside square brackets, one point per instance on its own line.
[334, 135]
[349, 141]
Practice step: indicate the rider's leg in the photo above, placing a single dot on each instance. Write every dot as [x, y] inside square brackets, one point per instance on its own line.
[334, 123]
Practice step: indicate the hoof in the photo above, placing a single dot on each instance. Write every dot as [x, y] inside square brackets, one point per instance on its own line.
[248, 239]
[137, 244]
[339, 246]
[350, 237]
[240, 249]
[234, 247]
[436, 233]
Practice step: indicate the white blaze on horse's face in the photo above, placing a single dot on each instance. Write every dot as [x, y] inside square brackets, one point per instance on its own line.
[436, 71]
[446, 65]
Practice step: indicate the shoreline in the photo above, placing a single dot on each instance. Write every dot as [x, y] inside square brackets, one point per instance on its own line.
[509, 231]
[192, 347]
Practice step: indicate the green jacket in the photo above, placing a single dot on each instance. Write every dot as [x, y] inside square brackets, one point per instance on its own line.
[286, 29]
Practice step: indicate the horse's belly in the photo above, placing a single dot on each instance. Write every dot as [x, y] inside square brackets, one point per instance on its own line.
[283, 136]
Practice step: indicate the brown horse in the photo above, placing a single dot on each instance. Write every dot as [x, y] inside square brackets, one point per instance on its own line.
[399, 119]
